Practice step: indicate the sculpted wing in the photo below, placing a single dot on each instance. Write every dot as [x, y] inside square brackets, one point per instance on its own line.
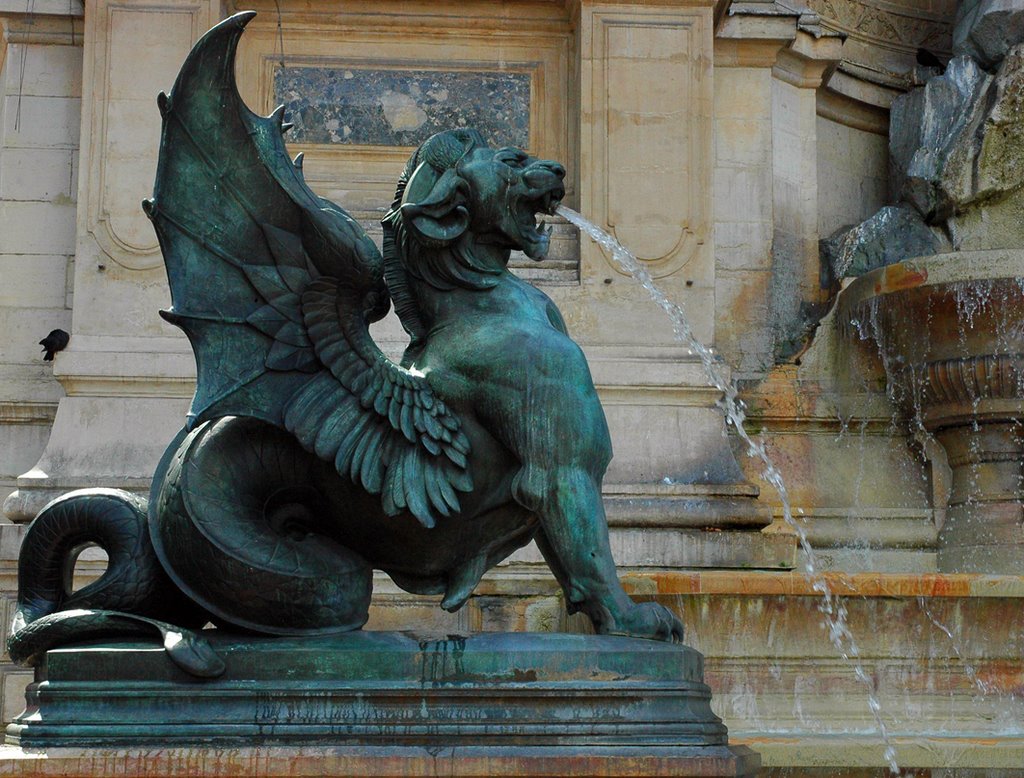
[275, 288]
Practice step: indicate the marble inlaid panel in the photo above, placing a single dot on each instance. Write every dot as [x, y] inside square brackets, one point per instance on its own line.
[390, 107]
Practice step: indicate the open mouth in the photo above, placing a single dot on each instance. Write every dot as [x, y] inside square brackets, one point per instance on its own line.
[537, 236]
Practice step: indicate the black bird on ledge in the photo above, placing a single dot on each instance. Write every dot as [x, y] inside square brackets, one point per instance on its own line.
[56, 341]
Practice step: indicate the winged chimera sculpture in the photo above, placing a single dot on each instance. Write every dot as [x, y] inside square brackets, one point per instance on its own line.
[308, 457]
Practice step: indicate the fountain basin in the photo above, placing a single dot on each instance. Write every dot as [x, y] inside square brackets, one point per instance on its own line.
[950, 334]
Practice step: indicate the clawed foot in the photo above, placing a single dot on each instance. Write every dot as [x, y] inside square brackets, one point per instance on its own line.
[644, 620]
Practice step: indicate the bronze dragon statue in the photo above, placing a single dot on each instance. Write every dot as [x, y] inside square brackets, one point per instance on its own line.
[309, 458]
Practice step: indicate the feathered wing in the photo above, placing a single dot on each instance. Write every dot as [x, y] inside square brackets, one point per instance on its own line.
[273, 285]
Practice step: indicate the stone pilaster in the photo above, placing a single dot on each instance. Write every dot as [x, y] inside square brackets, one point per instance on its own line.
[646, 175]
[40, 97]
[796, 293]
[747, 46]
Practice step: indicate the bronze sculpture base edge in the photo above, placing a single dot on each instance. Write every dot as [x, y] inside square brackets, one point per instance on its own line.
[367, 702]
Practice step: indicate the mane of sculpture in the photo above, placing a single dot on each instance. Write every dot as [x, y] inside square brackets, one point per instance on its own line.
[309, 458]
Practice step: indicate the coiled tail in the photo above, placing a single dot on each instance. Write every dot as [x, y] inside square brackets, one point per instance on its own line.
[133, 597]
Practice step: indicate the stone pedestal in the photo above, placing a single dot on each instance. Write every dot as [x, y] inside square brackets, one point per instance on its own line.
[949, 329]
[523, 703]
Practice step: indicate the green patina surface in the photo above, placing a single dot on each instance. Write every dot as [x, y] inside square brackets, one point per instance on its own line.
[308, 458]
[394, 690]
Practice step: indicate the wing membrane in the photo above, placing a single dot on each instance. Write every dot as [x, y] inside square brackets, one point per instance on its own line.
[274, 285]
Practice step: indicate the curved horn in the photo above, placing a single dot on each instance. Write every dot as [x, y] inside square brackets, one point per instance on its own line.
[433, 206]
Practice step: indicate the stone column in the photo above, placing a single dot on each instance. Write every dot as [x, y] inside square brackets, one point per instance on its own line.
[126, 374]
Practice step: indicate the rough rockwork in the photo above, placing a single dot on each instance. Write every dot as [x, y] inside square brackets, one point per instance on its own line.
[987, 29]
[956, 150]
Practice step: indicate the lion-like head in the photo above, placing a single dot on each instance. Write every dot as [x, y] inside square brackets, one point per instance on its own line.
[460, 204]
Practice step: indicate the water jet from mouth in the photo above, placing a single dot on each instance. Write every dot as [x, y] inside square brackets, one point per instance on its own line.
[832, 606]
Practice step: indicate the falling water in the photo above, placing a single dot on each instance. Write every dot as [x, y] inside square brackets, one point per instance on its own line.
[832, 607]
[982, 687]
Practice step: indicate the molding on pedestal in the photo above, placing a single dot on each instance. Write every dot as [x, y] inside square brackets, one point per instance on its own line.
[27, 412]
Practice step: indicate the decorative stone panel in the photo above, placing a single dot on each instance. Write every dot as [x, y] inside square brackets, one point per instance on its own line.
[650, 104]
[400, 107]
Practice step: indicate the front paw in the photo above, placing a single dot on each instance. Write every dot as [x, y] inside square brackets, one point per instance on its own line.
[644, 620]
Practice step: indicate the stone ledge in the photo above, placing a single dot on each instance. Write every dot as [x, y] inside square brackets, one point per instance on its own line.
[984, 753]
[318, 761]
[755, 583]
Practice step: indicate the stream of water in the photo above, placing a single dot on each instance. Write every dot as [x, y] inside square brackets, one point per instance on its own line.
[832, 606]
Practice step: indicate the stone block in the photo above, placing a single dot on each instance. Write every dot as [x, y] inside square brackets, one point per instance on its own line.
[20, 447]
[651, 547]
[145, 47]
[992, 225]
[544, 615]
[37, 228]
[743, 193]
[39, 174]
[743, 93]
[33, 281]
[316, 761]
[23, 328]
[987, 29]
[14, 684]
[50, 71]
[35, 381]
[393, 609]
[742, 334]
[742, 142]
[41, 122]
[852, 174]
[743, 245]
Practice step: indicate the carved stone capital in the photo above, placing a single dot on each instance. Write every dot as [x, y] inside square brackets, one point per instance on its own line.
[807, 60]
